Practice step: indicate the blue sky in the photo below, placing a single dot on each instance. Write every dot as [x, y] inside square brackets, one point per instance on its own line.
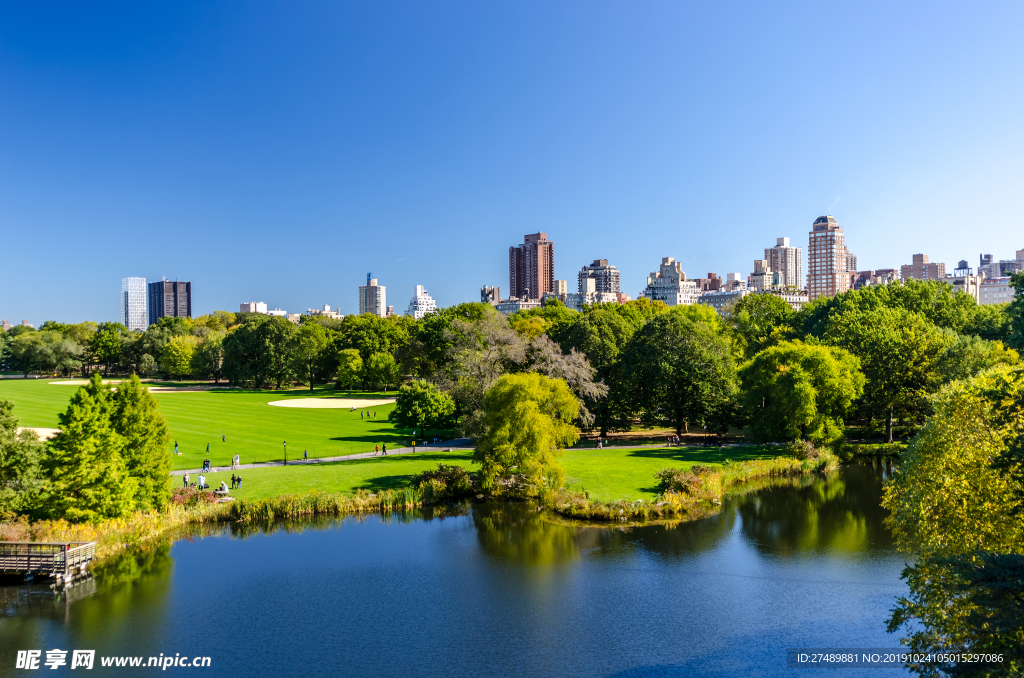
[280, 151]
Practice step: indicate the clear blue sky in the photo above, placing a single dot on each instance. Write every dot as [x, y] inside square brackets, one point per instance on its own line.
[279, 151]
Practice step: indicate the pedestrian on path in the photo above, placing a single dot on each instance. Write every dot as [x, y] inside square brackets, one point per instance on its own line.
[186, 480]
[360, 414]
[376, 449]
[385, 449]
[176, 447]
[305, 455]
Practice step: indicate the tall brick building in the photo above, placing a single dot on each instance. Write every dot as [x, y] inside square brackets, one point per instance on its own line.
[531, 267]
[826, 259]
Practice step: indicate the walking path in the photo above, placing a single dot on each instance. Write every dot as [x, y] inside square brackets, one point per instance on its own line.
[450, 446]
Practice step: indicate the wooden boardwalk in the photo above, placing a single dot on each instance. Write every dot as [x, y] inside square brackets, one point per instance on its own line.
[60, 560]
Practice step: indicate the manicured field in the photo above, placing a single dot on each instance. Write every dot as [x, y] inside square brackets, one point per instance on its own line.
[253, 429]
[612, 474]
[609, 474]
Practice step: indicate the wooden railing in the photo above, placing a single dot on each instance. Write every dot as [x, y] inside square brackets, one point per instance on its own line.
[33, 557]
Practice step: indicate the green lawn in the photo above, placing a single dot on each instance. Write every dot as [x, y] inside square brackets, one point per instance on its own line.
[254, 429]
[613, 474]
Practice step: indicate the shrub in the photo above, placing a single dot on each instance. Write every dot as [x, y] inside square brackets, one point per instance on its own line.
[192, 496]
[447, 481]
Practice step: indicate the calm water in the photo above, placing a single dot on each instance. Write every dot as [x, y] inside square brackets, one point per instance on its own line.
[496, 591]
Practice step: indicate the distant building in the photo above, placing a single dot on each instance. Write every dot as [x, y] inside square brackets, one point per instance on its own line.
[669, 284]
[421, 303]
[851, 262]
[325, 312]
[133, 304]
[723, 300]
[589, 296]
[795, 298]
[968, 284]
[962, 268]
[531, 267]
[514, 304]
[996, 290]
[763, 277]
[389, 312]
[622, 297]
[709, 284]
[279, 313]
[253, 307]
[6, 325]
[734, 281]
[787, 261]
[561, 287]
[373, 298]
[882, 276]
[490, 295]
[826, 259]
[294, 317]
[921, 269]
[604, 276]
[169, 299]
[25, 323]
[984, 265]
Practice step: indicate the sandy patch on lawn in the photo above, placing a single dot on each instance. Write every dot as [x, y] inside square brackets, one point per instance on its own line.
[44, 433]
[329, 403]
[81, 382]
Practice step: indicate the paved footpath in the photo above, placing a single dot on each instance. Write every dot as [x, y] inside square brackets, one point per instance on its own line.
[449, 446]
[462, 444]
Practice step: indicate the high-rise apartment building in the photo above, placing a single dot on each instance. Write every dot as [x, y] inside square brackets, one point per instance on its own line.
[826, 259]
[133, 304]
[373, 298]
[788, 261]
[253, 307]
[851, 262]
[531, 267]
[921, 269]
[421, 303]
[169, 299]
[669, 284]
[605, 277]
[764, 278]
[490, 295]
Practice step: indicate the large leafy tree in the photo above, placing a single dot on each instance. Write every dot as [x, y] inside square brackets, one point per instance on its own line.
[208, 359]
[1015, 338]
[677, 371]
[350, 368]
[20, 471]
[176, 358]
[135, 417]
[899, 353]
[307, 346]
[527, 422]
[382, 370]
[257, 351]
[422, 405]
[795, 390]
[957, 509]
[759, 321]
[105, 348]
[88, 475]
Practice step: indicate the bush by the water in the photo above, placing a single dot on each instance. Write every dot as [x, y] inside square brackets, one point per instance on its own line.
[192, 496]
[447, 481]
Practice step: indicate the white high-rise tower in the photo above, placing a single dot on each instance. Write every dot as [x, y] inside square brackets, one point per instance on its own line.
[133, 303]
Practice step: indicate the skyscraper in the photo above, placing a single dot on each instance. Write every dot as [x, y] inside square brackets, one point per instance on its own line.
[788, 261]
[373, 297]
[531, 267]
[605, 277]
[826, 259]
[421, 303]
[169, 299]
[133, 303]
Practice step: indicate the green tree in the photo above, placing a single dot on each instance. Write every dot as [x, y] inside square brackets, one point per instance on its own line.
[20, 471]
[422, 405]
[176, 358]
[966, 356]
[382, 370]
[88, 476]
[759, 321]
[307, 347]
[208, 359]
[678, 371]
[795, 390]
[350, 368]
[1015, 312]
[135, 417]
[527, 422]
[105, 349]
[257, 351]
[899, 352]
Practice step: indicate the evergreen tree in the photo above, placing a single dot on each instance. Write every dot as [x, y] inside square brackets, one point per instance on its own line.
[135, 418]
[20, 454]
[88, 474]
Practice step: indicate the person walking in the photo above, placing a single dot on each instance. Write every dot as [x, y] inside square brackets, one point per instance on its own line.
[376, 449]
[202, 481]
[238, 461]
[232, 481]
[175, 447]
[238, 482]
[360, 414]
[186, 480]
[385, 449]
[305, 455]
[375, 415]
[207, 448]
[223, 438]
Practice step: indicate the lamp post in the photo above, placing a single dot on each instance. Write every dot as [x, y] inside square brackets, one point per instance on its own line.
[285, 444]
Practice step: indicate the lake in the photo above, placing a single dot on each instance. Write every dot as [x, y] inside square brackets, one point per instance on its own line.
[495, 590]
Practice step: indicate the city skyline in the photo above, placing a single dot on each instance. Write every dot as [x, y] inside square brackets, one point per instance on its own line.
[404, 143]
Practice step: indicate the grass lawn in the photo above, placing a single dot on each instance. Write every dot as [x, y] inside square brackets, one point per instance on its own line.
[375, 473]
[613, 474]
[254, 429]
